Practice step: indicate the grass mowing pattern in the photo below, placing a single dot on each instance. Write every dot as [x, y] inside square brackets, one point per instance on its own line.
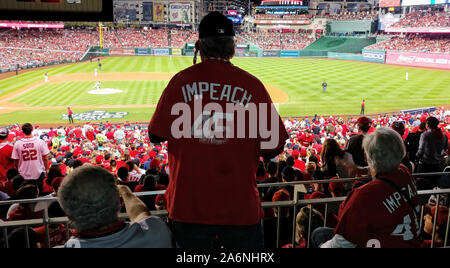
[382, 86]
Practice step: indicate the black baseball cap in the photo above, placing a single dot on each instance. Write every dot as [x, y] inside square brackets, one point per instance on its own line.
[215, 24]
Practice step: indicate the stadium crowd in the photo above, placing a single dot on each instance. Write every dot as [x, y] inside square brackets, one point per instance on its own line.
[283, 17]
[34, 46]
[415, 43]
[319, 147]
[280, 40]
[351, 15]
[424, 18]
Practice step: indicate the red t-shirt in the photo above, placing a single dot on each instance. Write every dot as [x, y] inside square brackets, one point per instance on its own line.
[306, 141]
[375, 214]
[78, 133]
[57, 235]
[213, 180]
[24, 213]
[6, 162]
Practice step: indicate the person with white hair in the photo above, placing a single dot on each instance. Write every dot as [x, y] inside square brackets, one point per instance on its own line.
[382, 212]
[90, 197]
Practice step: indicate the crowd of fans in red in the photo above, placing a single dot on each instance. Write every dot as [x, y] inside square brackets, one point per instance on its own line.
[351, 15]
[424, 18]
[125, 150]
[283, 17]
[27, 47]
[37, 46]
[280, 40]
[416, 43]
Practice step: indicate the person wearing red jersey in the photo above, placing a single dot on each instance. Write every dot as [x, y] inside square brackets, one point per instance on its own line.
[69, 114]
[6, 162]
[306, 139]
[216, 197]
[30, 156]
[383, 212]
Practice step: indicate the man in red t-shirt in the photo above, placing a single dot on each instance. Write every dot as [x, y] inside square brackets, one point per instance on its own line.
[213, 153]
[6, 162]
[69, 114]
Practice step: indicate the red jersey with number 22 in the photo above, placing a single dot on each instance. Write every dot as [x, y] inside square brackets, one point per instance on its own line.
[29, 152]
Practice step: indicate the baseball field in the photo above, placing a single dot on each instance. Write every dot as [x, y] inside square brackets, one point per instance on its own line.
[131, 86]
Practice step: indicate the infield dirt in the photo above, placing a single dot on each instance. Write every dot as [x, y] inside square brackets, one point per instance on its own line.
[277, 95]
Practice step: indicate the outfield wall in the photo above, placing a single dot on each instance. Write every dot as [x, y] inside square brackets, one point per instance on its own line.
[417, 59]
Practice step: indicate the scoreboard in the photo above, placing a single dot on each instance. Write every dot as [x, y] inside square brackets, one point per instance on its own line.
[57, 10]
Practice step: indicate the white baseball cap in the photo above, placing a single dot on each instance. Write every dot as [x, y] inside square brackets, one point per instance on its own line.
[4, 132]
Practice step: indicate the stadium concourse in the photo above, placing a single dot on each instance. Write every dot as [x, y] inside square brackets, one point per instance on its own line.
[124, 149]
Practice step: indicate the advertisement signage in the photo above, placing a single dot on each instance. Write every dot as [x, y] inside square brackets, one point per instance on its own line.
[418, 30]
[374, 55]
[160, 51]
[235, 19]
[423, 2]
[95, 115]
[389, 3]
[120, 51]
[270, 53]
[176, 51]
[180, 13]
[147, 10]
[31, 25]
[299, 22]
[158, 11]
[290, 53]
[143, 51]
[429, 60]
[232, 12]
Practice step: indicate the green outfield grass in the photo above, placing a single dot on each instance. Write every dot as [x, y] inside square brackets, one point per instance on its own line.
[382, 86]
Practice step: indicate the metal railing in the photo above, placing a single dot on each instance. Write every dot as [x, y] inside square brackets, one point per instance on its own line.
[331, 205]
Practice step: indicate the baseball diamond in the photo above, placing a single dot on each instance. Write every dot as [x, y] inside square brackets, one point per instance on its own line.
[295, 85]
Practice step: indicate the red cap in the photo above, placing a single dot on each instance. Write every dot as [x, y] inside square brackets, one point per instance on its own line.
[363, 121]
[155, 163]
[303, 152]
[99, 159]
[152, 154]
[281, 195]
[315, 195]
[295, 153]
[336, 186]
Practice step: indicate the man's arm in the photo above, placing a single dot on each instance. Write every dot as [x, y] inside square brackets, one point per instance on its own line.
[420, 151]
[338, 241]
[136, 209]
[156, 139]
[270, 155]
[45, 160]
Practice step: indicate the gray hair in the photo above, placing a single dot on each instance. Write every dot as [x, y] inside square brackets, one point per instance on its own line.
[384, 150]
[218, 46]
[90, 198]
